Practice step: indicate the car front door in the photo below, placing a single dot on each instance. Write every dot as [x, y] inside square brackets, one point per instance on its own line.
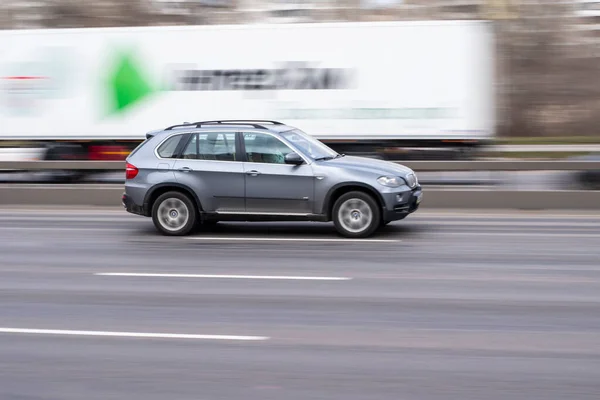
[272, 186]
[209, 164]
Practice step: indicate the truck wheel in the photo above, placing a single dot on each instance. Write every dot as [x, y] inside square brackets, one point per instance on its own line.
[174, 214]
[356, 215]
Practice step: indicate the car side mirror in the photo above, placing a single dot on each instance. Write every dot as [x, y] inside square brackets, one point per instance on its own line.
[293, 158]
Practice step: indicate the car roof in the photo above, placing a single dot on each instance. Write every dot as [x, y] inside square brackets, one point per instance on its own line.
[225, 125]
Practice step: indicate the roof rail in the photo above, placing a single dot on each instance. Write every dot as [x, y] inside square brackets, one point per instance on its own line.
[249, 122]
[179, 125]
[241, 120]
[257, 126]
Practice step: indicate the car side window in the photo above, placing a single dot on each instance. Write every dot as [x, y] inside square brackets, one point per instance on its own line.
[216, 146]
[263, 148]
[168, 147]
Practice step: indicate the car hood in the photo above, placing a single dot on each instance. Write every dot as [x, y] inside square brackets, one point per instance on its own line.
[368, 165]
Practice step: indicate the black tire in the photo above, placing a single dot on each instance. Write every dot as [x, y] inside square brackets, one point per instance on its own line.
[361, 200]
[179, 202]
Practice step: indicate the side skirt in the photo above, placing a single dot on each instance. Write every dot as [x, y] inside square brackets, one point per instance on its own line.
[264, 217]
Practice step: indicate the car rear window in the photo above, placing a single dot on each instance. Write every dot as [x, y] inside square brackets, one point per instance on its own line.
[168, 147]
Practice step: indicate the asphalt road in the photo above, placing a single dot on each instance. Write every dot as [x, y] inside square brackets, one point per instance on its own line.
[439, 306]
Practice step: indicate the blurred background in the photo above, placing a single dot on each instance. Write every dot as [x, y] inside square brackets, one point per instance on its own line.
[550, 48]
[543, 57]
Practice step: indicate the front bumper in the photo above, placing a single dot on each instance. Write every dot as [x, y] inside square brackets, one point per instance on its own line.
[399, 205]
[130, 206]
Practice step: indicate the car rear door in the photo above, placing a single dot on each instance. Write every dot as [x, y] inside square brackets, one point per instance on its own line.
[209, 164]
[273, 187]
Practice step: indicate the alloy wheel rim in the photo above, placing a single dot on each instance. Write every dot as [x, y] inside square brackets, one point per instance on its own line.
[173, 214]
[355, 215]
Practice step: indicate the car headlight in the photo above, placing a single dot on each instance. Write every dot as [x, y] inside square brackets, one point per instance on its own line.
[390, 181]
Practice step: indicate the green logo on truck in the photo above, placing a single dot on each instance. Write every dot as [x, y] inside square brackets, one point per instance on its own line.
[127, 84]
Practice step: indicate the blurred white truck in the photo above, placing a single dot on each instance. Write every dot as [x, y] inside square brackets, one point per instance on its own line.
[361, 87]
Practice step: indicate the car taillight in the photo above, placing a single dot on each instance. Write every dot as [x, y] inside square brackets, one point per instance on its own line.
[131, 171]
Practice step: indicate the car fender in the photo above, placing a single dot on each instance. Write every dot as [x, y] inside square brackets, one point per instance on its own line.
[326, 207]
[174, 185]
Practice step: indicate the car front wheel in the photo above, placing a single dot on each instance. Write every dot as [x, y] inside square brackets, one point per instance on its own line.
[356, 215]
[174, 214]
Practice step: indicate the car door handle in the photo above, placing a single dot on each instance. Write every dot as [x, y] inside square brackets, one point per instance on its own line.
[253, 173]
[185, 169]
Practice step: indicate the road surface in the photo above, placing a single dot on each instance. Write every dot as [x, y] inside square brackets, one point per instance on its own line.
[96, 305]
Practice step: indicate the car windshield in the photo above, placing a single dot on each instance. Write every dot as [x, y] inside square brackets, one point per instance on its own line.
[309, 145]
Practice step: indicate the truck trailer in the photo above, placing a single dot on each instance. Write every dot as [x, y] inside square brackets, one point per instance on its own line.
[387, 89]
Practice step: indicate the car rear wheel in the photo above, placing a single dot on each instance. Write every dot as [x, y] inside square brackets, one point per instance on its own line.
[356, 215]
[174, 214]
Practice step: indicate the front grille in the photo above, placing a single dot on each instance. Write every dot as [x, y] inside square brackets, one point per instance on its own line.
[411, 180]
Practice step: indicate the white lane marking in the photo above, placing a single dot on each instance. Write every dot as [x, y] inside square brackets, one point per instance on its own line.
[259, 239]
[267, 277]
[130, 334]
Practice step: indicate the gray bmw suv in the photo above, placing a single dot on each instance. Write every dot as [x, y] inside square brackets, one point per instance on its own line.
[254, 170]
